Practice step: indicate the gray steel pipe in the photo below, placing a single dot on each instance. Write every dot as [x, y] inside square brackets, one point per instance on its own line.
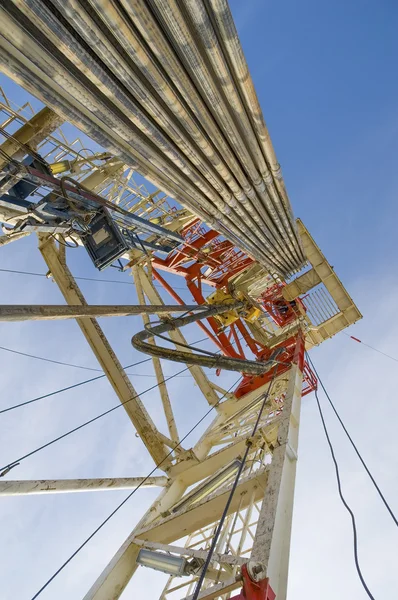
[192, 44]
[46, 61]
[40, 312]
[61, 486]
[92, 33]
[155, 81]
[11, 65]
[206, 359]
[231, 46]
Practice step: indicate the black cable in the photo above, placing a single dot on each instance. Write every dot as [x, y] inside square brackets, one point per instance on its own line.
[231, 494]
[80, 382]
[107, 412]
[354, 528]
[394, 518]
[65, 364]
[85, 278]
[19, 460]
[64, 243]
[129, 495]
[70, 387]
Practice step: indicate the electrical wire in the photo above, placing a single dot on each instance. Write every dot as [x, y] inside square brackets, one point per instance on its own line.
[64, 243]
[354, 528]
[87, 368]
[103, 414]
[371, 347]
[84, 278]
[199, 583]
[65, 389]
[130, 494]
[394, 518]
[65, 364]
[5, 469]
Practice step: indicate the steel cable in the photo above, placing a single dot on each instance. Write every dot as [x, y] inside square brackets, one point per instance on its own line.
[66, 364]
[6, 468]
[130, 494]
[343, 500]
[10, 465]
[394, 518]
[231, 494]
[87, 279]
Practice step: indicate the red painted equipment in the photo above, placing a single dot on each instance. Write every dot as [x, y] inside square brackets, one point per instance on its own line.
[254, 590]
[280, 310]
[205, 257]
[293, 350]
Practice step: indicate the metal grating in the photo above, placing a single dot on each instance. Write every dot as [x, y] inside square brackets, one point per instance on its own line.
[320, 305]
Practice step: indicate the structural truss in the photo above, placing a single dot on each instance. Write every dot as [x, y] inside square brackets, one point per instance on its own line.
[262, 291]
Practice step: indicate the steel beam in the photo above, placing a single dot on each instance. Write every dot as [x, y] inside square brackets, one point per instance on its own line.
[105, 355]
[216, 591]
[272, 540]
[33, 132]
[13, 237]
[164, 395]
[60, 486]
[117, 574]
[301, 285]
[349, 313]
[41, 312]
[209, 510]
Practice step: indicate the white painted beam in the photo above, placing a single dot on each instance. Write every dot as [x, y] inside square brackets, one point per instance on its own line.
[105, 355]
[271, 545]
[60, 486]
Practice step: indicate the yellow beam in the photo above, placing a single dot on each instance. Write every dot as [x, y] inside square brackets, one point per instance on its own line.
[33, 132]
[105, 355]
[301, 285]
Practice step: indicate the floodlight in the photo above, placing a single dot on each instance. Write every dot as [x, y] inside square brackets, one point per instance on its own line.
[209, 486]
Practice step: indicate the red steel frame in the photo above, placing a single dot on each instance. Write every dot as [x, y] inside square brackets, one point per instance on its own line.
[204, 246]
[254, 590]
[280, 310]
[205, 257]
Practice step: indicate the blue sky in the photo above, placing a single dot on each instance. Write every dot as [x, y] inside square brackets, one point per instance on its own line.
[325, 73]
[325, 76]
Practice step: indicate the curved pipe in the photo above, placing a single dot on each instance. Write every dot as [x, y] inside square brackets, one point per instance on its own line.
[206, 359]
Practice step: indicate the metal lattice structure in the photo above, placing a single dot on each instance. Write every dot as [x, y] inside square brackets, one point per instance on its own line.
[266, 316]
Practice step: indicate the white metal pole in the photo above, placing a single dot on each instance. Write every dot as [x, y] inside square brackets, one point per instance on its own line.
[272, 540]
[59, 486]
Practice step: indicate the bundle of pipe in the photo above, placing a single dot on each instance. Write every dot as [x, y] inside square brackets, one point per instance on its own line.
[164, 85]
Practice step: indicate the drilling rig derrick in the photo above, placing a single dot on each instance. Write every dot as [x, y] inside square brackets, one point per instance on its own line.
[262, 292]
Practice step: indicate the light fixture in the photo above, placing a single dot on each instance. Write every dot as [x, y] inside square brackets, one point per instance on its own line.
[209, 486]
[173, 565]
[168, 563]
